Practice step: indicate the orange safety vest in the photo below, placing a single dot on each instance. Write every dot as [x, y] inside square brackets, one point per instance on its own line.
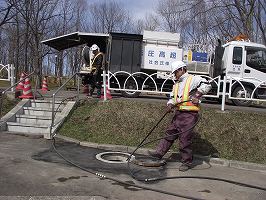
[93, 60]
[188, 106]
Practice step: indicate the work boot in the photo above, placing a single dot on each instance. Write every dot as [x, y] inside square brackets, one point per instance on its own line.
[185, 166]
[155, 155]
[98, 93]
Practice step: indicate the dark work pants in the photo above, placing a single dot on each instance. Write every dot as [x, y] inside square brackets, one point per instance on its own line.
[182, 121]
[96, 82]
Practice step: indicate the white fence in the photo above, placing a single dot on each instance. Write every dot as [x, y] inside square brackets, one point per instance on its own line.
[7, 73]
[224, 88]
[126, 86]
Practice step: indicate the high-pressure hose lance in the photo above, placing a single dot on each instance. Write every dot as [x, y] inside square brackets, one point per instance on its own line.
[158, 162]
[142, 142]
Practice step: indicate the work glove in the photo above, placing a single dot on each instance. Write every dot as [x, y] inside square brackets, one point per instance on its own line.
[195, 101]
[170, 108]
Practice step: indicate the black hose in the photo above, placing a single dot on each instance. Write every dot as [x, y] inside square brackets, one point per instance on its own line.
[154, 179]
[119, 181]
[208, 178]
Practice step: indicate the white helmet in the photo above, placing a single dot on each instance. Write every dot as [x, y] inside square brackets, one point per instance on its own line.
[94, 47]
[177, 65]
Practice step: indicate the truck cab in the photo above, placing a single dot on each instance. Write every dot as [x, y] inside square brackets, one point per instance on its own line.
[245, 60]
[245, 63]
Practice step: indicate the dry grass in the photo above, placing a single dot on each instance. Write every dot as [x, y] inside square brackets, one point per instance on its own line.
[233, 135]
[8, 105]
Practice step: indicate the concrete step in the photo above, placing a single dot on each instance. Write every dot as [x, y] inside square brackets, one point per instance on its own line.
[39, 111]
[30, 119]
[27, 128]
[33, 117]
[45, 104]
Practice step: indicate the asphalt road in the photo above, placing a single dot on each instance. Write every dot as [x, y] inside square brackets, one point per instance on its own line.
[30, 169]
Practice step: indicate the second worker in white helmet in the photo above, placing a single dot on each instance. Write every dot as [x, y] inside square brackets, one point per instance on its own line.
[97, 69]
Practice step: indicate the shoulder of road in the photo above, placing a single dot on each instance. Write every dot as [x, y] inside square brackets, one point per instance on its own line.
[144, 151]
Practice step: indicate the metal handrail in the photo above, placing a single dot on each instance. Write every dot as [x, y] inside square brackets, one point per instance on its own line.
[15, 84]
[53, 99]
[56, 111]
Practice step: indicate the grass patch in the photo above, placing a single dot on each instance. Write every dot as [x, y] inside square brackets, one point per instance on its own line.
[4, 84]
[8, 105]
[234, 135]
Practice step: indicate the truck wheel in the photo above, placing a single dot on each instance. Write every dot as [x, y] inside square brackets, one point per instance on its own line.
[131, 84]
[239, 92]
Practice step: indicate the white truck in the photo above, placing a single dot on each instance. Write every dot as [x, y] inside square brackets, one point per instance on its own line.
[149, 53]
[153, 52]
[244, 63]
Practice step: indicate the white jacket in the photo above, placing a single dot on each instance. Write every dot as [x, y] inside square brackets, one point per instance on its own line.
[198, 83]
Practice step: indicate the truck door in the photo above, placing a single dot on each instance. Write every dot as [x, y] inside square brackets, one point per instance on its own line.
[236, 68]
[255, 65]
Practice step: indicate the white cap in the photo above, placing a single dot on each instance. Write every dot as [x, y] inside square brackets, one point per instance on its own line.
[94, 47]
[177, 65]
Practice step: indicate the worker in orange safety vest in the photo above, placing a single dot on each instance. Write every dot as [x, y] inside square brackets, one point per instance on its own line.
[188, 89]
[97, 70]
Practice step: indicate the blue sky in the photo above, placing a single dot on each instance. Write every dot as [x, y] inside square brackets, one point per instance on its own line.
[138, 8]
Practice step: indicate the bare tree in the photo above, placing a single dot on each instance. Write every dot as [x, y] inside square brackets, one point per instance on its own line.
[201, 21]
[6, 11]
[25, 32]
[74, 54]
[109, 17]
[173, 14]
[63, 25]
[70, 17]
[234, 17]
[260, 18]
[150, 23]
[190, 18]
[195, 29]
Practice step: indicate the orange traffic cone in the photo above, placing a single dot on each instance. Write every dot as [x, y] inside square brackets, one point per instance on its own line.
[44, 85]
[86, 89]
[108, 93]
[27, 93]
[20, 86]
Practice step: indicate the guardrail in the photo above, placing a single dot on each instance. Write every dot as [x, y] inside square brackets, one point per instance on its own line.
[224, 87]
[158, 90]
[134, 77]
[8, 70]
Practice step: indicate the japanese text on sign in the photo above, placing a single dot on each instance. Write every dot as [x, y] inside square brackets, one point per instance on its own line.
[157, 59]
[160, 58]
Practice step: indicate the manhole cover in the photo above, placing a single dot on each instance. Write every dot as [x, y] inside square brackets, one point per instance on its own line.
[114, 157]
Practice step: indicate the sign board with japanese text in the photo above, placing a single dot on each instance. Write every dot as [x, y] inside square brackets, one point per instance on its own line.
[160, 57]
